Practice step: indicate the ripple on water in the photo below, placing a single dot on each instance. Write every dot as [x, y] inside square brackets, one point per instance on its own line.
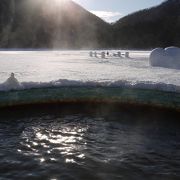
[83, 146]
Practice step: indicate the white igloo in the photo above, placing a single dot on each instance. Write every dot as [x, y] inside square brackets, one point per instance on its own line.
[169, 57]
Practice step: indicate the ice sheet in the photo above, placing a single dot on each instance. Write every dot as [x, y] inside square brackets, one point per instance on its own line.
[47, 66]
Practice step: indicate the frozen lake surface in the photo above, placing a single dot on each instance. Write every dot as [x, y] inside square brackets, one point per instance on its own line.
[46, 66]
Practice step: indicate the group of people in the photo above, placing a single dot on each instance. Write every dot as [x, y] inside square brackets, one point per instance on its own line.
[106, 54]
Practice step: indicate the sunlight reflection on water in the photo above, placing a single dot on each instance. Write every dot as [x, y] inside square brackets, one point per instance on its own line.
[42, 143]
[72, 146]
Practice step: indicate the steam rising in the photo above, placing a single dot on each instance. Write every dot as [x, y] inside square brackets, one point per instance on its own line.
[53, 24]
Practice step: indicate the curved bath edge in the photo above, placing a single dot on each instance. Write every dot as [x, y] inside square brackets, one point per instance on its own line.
[125, 97]
[135, 112]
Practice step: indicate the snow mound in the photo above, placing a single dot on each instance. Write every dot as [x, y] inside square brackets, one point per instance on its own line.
[168, 58]
[12, 83]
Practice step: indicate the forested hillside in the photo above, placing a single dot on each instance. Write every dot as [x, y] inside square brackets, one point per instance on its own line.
[50, 24]
[149, 28]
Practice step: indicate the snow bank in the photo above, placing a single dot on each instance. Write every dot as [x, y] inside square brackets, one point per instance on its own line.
[93, 84]
[169, 57]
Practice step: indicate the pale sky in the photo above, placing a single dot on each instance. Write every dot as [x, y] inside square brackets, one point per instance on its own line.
[112, 10]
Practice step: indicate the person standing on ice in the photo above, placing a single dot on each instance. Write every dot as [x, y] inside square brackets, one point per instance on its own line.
[12, 82]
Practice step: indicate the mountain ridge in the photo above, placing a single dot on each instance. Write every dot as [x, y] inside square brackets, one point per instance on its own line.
[46, 24]
[43, 24]
[149, 28]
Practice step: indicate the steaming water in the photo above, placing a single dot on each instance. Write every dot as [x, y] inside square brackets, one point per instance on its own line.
[88, 141]
[93, 144]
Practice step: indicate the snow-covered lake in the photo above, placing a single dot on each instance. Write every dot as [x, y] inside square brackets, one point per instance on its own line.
[46, 66]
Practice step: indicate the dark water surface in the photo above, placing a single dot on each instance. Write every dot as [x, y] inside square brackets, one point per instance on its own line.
[89, 143]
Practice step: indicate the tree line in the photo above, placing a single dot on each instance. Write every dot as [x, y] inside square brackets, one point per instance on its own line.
[44, 25]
